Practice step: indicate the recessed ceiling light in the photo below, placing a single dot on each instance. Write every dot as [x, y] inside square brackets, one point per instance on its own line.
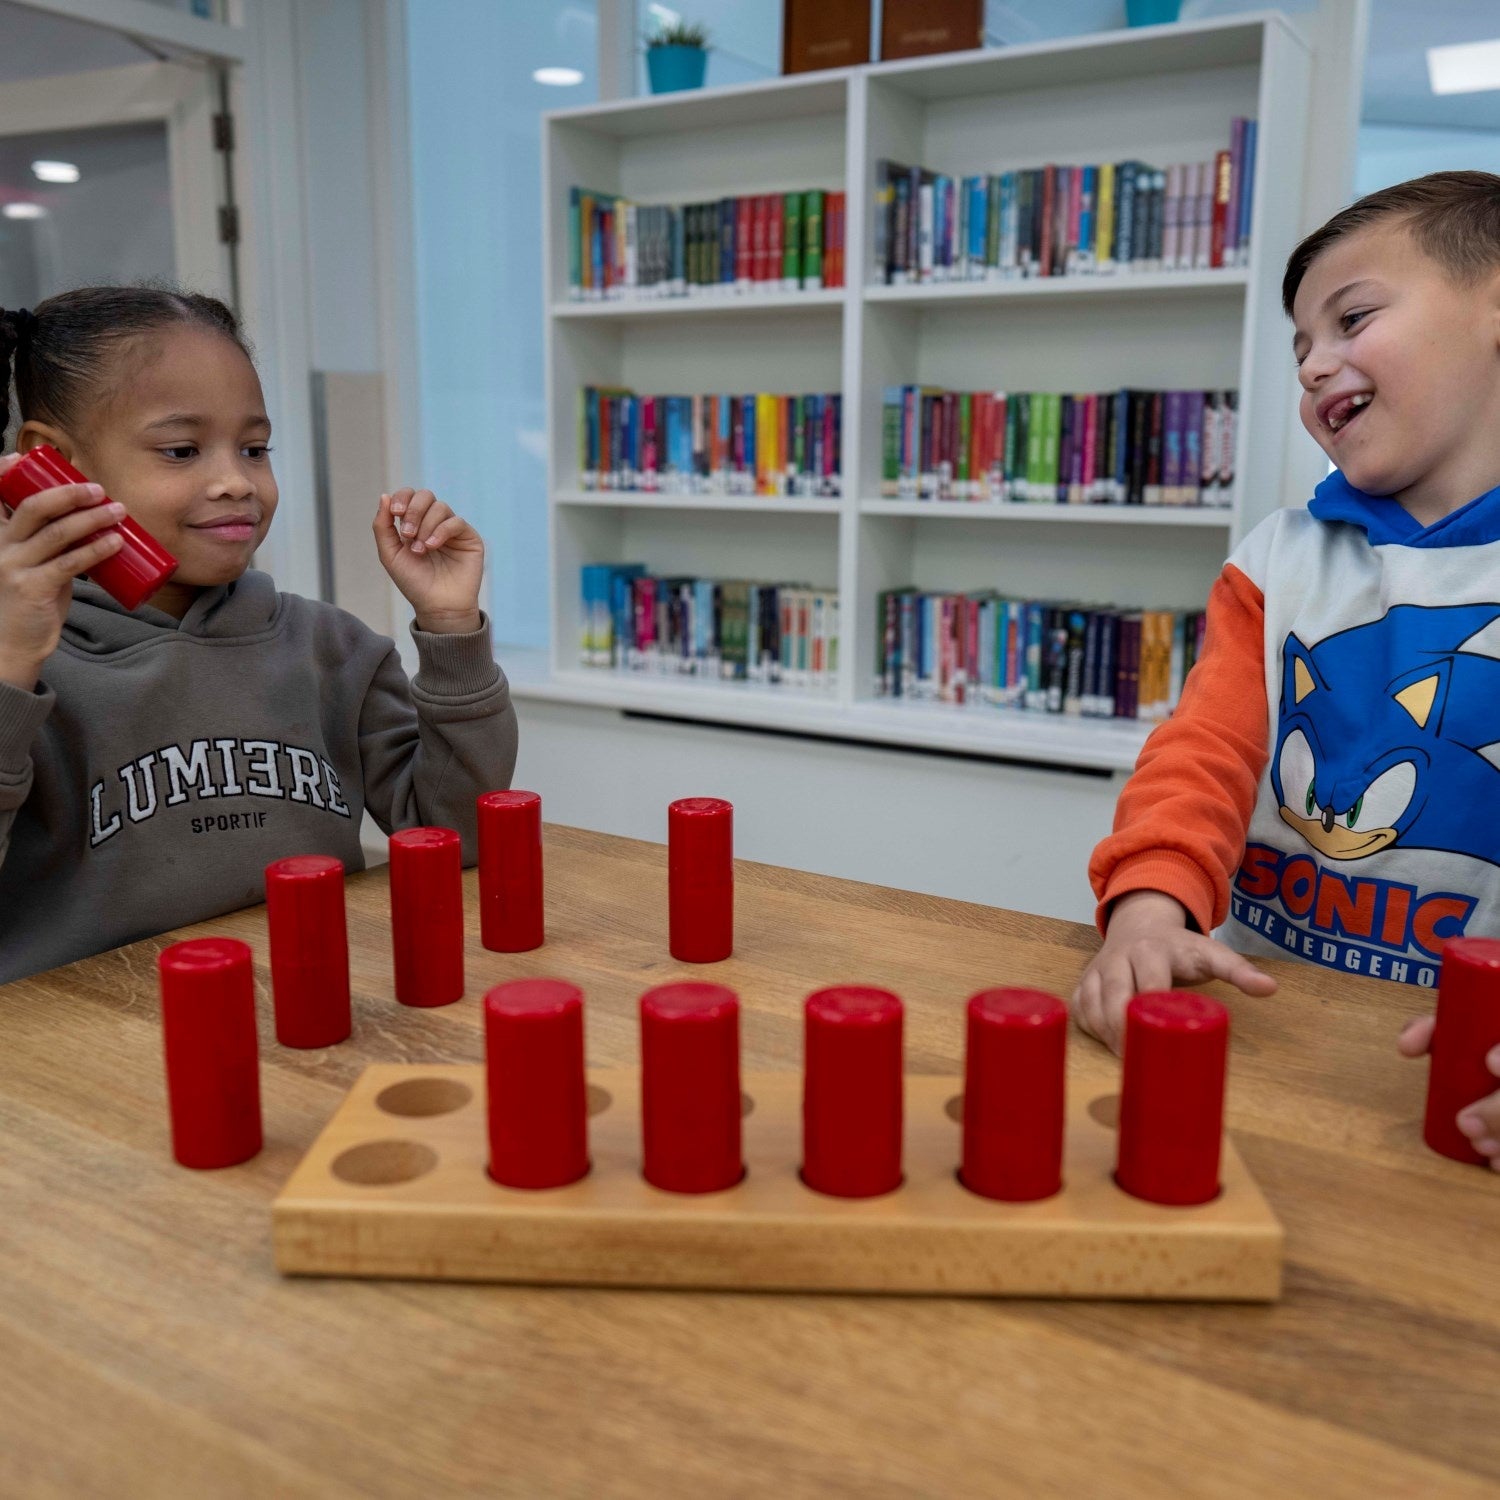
[558, 77]
[55, 171]
[24, 211]
[1464, 68]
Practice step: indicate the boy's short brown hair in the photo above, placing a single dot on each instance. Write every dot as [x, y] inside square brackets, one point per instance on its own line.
[1453, 216]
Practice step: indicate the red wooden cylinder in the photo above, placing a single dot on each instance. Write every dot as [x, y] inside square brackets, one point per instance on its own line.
[690, 1088]
[213, 1058]
[538, 1095]
[1172, 1097]
[309, 950]
[510, 872]
[133, 573]
[700, 879]
[1014, 1070]
[427, 915]
[1468, 1026]
[852, 1092]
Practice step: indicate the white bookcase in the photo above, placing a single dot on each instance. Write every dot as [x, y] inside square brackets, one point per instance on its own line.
[1162, 94]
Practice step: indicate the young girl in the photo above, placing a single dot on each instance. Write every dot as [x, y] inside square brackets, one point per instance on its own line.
[153, 762]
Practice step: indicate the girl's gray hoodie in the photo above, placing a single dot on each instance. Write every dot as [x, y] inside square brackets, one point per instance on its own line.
[159, 765]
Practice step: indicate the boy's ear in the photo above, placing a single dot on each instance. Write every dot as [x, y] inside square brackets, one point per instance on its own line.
[34, 434]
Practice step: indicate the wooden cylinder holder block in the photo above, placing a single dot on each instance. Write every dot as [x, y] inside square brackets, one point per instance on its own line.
[1172, 1097]
[1013, 1115]
[538, 1096]
[427, 915]
[852, 1092]
[1468, 1026]
[510, 872]
[700, 879]
[309, 950]
[690, 1088]
[212, 1056]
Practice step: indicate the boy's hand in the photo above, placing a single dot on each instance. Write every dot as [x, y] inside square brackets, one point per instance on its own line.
[1479, 1121]
[434, 557]
[1148, 947]
[52, 539]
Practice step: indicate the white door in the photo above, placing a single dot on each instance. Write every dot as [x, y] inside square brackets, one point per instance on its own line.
[114, 175]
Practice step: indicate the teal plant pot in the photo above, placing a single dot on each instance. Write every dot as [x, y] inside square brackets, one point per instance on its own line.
[674, 68]
[1152, 12]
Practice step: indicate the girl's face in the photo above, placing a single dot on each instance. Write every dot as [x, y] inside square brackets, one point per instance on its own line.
[181, 440]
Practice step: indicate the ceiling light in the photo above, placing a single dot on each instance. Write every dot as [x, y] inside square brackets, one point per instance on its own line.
[1464, 68]
[55, 171]
[558, 77]
[24, 211]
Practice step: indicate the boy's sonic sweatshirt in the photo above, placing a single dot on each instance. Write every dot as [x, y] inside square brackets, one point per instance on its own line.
[1329, 787]
[160, 766]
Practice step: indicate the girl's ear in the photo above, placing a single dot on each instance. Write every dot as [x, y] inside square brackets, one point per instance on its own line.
[34, 434]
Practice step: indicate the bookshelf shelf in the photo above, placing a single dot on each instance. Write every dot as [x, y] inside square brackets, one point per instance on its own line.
[803, 505]
[1091, 744]
[1069, 515]
[1229, 282]
[1158, 94]
[809, 302]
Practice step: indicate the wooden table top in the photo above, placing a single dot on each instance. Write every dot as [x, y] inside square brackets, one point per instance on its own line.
[148, 1347]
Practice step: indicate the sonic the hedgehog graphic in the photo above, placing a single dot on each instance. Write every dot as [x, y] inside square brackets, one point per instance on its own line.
[1390, 733]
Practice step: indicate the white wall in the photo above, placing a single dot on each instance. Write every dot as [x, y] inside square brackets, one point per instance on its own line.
[1389, 154]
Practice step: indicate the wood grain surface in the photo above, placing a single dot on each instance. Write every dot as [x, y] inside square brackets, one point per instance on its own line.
[148, 1346]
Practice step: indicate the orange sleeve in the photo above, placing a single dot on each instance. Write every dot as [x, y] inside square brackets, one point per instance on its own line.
[1181, 820]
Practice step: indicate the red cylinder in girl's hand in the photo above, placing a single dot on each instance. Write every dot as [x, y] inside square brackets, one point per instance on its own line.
[213, 1060]
[1468, 1026]
[510, 872]
[1014, 1069]
[309, 950]
[690, 1088]
[700, 879]
[1172, 1097]
[427, 915]
[133, 573]
[537, 1092]
[852, 1092]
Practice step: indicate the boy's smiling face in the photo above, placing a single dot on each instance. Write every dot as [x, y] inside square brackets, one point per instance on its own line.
[180, 438]
[1400, 370]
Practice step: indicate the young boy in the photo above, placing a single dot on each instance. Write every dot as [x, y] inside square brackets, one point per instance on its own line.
[1329, 787]
[152, 762]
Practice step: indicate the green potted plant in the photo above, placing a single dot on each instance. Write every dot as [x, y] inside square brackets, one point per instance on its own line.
[677, 57]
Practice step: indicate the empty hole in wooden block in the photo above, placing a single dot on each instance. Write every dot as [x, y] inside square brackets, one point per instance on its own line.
[384, 1163]
[954, 1108]
[421, 1097]
[1105, 1111]
[599, 1099]
[747, 1104]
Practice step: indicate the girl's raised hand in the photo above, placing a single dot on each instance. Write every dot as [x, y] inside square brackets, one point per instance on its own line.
[51, 540]
[434, 557]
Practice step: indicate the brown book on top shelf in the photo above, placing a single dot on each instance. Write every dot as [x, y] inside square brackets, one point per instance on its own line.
[915, 28]
[824, 34]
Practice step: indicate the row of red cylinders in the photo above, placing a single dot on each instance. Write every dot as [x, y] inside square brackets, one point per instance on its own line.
[1171, 1114]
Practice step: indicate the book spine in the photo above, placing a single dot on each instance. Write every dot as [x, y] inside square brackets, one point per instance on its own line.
[791, 249]
[1125, 233]
[1247, 189]
[1171, 231]
[1232, 203]
[1153, 486]
[812, 238]
[1228, 438]
[880, 239]
[1171, 448]
[1209, 445]
[775, 233]
[1220, 209]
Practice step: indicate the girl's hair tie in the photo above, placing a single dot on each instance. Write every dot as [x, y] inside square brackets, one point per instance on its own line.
[23, 321]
